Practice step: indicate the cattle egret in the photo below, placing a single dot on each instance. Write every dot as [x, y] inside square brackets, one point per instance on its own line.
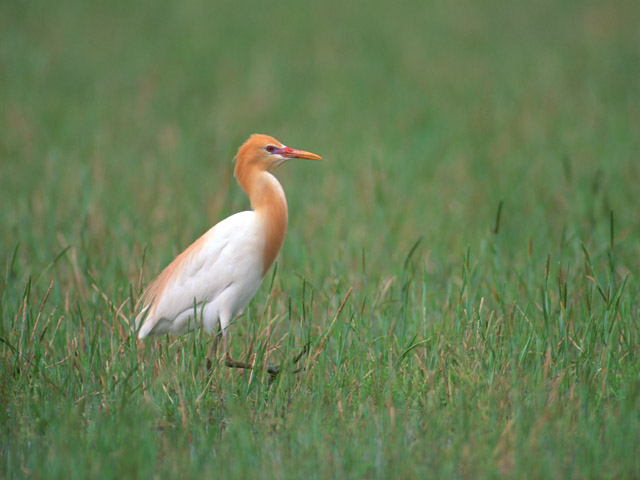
[213, 280]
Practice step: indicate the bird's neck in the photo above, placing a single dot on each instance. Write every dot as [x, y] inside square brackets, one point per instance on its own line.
[270, 204]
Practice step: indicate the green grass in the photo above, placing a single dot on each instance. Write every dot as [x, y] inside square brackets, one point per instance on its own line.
[462, 351]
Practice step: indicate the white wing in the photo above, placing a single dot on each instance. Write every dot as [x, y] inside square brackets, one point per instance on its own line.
[218, 274]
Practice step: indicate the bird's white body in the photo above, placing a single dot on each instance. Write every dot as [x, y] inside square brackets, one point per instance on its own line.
[212, 281]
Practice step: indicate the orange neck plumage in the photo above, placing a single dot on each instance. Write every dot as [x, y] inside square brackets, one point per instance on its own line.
[270, 204]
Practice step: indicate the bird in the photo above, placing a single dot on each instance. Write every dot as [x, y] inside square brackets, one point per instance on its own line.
[214, 279]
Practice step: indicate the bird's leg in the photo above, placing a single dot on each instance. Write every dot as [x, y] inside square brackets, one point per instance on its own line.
[213, 351]
[230, 362]
[304, 350]
[298, 357]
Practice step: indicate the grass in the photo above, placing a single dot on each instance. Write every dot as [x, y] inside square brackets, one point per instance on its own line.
[476, 217]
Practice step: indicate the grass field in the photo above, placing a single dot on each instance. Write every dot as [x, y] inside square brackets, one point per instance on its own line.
[464, 263]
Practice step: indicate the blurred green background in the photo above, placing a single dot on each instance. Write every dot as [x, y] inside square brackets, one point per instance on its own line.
[119, 122]
[125, 119]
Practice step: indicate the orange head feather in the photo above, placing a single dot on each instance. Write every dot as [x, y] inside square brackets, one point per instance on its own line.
[263, 152]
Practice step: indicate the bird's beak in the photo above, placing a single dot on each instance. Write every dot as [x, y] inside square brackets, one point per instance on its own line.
[293, 153]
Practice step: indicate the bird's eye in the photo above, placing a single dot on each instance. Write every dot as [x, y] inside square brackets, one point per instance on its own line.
[270, 148]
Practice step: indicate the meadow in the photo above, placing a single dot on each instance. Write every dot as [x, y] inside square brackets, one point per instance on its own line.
[464, 263]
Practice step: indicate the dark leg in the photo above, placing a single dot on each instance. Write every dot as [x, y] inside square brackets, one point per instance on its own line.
[231, 363]
[271, 369]
[298, 357]
[304, 350]
[213, 351]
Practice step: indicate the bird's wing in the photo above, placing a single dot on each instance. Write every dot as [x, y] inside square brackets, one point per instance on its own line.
[199, 274]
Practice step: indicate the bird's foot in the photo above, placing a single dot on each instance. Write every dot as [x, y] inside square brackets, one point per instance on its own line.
[272, 370]
[230, 362]
[298, 357]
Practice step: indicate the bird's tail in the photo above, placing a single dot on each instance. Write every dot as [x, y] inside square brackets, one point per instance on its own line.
[143, 328]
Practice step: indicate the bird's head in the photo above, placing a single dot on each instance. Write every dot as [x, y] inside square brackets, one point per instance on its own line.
[266, 153]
